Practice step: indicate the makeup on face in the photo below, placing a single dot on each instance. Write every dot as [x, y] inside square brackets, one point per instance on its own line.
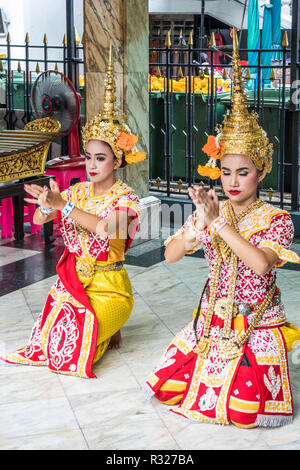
[100, 164]
[239, 178]
[94, 164]
[99, 160]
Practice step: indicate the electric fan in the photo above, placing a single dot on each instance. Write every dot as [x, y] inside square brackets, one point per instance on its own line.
[53, 95]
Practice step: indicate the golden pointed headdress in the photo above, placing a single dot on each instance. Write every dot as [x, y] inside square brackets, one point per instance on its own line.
[240, 133]
[109, 127]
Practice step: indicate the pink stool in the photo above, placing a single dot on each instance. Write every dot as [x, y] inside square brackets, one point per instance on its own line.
[65, 169]
[7, 217]
[29, 211]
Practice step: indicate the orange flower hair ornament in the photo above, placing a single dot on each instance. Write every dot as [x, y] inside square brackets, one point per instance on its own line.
[213, 149]
[240, 133]
[127, 142]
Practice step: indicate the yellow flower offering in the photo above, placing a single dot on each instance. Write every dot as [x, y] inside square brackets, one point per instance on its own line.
[198, 85]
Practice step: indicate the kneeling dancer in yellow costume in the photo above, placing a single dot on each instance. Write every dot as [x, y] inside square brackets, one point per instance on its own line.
[92, 297]
[229, 365]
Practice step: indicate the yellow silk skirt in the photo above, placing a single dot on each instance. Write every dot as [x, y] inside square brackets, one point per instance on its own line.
[291, 335]
[110, 295]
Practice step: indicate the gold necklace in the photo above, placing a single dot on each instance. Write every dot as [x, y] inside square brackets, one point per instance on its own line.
[223, 250]
[228, 348]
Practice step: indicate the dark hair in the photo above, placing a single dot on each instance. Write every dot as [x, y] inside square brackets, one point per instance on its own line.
[124, 163]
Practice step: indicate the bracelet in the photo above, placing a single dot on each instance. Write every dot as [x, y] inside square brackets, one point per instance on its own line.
[44, 212]
[198, 234]
[195, 232]
[217, 225]
[66, 211]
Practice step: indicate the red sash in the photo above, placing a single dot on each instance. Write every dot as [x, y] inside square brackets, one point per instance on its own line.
[65, 335]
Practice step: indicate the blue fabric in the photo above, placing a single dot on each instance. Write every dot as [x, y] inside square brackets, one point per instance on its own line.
[276, 29]
[267, 40]
[253, 41]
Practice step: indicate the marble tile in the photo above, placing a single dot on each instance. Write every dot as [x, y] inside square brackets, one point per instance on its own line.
[187, 265]
[156, 279]
[136, 175]
[13, 304]
[57, 440]
[44, 284]
[36, 299]
[176, 299]
[193, 275]
[91, 409]
[142, 333]
[140, 306]
[137, 36]
[143, 323]
[103, 21]
[146, 248]
[43, 410]
[137, 106]
[16, 322]
[289, 274]
[10, 255]
[292, 311]
[289, 293]
[14, 338]
[112, 376]
[207, 436]
[36, 417]
[36, 295]
[134, 270]
[131, 432]
[294, 368]
[177, 322]
[143, 352]
[146, 344]
[28, 383]
[115, 20]
[3, 241]
[285, 438]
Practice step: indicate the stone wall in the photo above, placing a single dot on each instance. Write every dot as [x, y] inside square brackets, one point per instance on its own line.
[125, 22]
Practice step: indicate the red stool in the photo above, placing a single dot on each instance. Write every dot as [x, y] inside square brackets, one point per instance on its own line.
[65, 169]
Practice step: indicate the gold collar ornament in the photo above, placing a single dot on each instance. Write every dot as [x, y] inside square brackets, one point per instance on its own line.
[240, 133]
[109, 127]
[229, 347]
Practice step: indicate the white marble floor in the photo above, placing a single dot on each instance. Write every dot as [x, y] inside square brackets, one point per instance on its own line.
[44, 410]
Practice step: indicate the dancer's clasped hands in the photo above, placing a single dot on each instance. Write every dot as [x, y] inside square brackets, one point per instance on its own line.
[48, 198]
[206, 202]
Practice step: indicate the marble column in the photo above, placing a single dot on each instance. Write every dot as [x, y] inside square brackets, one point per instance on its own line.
[125, 22]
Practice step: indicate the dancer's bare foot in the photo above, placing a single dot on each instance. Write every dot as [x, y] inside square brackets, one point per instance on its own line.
[115, 341]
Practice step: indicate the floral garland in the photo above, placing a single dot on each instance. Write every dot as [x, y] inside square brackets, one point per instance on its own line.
[127, 142]
[214, 150]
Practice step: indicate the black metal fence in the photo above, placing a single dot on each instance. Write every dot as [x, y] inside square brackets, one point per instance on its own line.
[186, 104]
[20, 67]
